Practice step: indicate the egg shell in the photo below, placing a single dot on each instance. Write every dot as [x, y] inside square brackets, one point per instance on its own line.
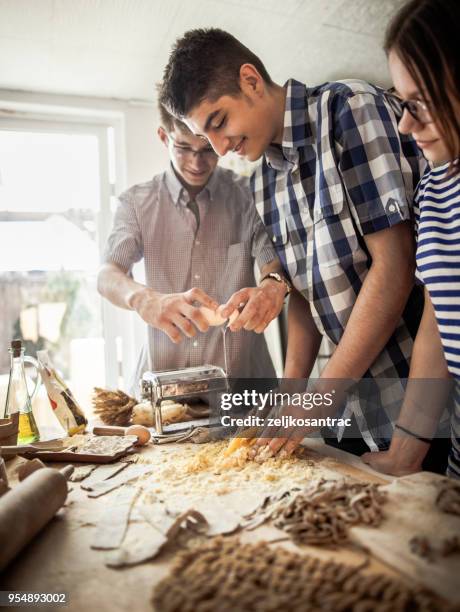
[142, 433]
[212, 317]
[233, 316]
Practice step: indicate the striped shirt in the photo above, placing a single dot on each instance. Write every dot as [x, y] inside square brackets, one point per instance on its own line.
[153, 222]
[342, 172]
[437, 213]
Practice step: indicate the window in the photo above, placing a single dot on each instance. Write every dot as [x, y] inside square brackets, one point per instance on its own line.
[54, 218]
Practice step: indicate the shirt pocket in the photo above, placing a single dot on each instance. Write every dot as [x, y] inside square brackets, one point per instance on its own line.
[238, 253]
[336, 243]
[234, 267]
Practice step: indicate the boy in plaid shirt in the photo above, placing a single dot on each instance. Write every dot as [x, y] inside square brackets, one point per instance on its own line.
[334, 190]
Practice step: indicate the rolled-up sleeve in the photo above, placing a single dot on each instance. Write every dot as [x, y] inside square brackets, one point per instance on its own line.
[124, 245]
[377, 175]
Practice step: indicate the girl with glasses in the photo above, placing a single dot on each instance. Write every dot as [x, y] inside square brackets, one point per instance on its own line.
[422, 45]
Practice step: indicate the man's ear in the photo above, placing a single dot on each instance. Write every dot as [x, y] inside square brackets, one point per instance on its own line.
[163, 136]
[251, 81]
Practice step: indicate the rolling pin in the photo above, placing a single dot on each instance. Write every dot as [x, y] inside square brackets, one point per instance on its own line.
[28, 507]
[142, 433]
[22, 449]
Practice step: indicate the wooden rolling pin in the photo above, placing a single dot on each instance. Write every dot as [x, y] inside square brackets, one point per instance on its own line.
[142, 433]
[28, 507]
[23, 449]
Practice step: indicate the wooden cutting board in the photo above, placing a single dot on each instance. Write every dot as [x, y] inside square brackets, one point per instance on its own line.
[411, 511]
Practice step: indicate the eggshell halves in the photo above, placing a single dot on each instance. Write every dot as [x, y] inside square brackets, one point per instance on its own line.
[214, 318]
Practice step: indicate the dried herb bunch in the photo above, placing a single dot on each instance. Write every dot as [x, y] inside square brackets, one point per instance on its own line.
[113, 407]
[322, 512]
[226, 575]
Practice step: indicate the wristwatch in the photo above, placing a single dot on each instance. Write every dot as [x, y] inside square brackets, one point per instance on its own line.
[280, 279]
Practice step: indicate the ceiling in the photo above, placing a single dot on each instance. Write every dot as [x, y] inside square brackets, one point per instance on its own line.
[118, 48]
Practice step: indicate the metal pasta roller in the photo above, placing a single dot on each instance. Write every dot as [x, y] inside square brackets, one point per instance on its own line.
[179, 385]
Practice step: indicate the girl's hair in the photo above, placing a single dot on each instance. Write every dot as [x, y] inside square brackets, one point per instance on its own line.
[425, 36]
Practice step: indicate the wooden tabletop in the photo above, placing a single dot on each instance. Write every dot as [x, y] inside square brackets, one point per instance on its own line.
[60, 560]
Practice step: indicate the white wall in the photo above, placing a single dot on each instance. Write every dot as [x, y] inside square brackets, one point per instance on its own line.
[145, 154]
[142, 154]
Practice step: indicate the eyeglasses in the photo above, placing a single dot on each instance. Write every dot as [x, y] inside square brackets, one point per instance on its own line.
[416, 108]
[185, 152]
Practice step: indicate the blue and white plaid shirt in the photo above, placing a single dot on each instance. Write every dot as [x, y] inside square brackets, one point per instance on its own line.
[341, 172]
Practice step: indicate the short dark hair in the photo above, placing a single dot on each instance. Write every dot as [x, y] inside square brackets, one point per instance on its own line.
[424, 34]
[205, 64]
[167, 120]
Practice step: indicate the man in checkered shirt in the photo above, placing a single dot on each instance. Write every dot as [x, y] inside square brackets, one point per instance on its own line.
[334, 191]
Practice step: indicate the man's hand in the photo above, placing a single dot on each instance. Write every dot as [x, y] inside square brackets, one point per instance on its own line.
[174, 313]
[285, 439]
[261, 305]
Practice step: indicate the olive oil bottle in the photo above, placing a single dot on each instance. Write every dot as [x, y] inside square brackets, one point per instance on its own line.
[18, 402]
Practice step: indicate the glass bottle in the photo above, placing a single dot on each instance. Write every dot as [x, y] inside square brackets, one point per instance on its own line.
[18, 400]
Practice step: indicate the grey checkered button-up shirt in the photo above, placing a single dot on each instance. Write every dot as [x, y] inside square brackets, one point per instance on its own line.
[341, 172]
[153, 222]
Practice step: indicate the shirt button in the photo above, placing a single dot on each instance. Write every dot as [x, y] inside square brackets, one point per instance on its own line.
[274, 238]
[197, 277]
[195, 343]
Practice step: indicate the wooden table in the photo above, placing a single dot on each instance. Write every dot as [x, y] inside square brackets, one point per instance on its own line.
[60, 559]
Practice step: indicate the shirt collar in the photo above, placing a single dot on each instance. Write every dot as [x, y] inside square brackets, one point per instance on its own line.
[297, 132]
[173, 184]
[179, 194]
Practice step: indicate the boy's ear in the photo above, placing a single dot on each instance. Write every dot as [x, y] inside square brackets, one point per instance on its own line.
[163, 136]
[251, 81]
